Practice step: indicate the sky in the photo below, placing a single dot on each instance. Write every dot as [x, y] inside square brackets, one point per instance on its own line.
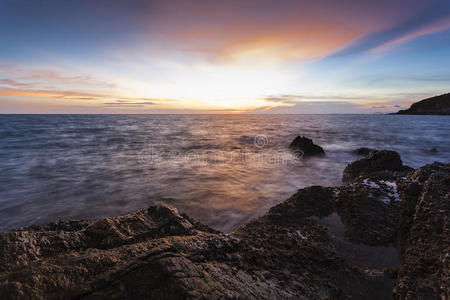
[234, 56]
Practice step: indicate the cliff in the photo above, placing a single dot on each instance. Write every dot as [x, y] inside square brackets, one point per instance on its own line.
[438, 105]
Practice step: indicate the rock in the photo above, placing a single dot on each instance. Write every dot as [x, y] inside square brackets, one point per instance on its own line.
[369, 211]
[432, 150]
[424, 236]
[306, 147]
[382, 164]
[160, 254]
[363, 151]
[438, 105]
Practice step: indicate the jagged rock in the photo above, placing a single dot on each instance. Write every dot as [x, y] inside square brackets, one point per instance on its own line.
[382, 164]
[424, 236]
[363, 151]
[306, 147]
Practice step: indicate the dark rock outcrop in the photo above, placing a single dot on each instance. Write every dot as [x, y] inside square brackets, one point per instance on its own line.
[438, 105]
[382, 164]
[305, 147]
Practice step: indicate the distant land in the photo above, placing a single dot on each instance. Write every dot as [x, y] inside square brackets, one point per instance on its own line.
[438, 105]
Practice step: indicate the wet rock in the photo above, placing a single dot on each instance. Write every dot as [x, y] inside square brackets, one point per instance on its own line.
[424, 234]
[432, 150]
[363, 151]
[369, 211]
[160, 254]
[32, 243]
[382, 164]
[311, 201]
[306, 147]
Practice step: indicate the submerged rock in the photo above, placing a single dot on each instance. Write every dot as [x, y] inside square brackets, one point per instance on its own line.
[306, 147]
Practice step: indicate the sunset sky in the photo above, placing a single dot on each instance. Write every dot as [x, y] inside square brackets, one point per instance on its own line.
[321, 56]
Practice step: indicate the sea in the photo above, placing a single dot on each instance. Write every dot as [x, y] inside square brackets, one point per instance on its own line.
[223, 170]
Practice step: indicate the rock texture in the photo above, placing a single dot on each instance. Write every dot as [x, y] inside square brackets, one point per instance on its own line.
[424, 235]
[161, 254]
[321, 243]
[306, 147]
[369, 209]
[438, 105]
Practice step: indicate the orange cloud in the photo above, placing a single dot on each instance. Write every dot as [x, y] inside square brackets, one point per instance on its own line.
[300, 30]
[80, 95]
[26, 93]
[25, 76]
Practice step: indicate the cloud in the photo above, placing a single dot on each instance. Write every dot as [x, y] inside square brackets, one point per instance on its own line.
[293, 99]
[121, 103]
[314, 107]
[287, 30]
[341, 103]
[55, 94]
[8, 82]
[416, 25]
[27, 76]
[85, 95]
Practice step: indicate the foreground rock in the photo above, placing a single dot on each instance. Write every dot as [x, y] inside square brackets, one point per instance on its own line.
[321, 243]
[160, 254]
[306, 147]
[439, 105]
[424, 236]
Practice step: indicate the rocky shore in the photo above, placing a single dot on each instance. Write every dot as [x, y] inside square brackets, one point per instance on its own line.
[382, 234]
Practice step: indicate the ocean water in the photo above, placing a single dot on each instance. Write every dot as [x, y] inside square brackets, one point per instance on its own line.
[221, 169]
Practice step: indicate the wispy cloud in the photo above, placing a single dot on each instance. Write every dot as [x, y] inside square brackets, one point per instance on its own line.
[434, 18]
[28, 76]
[290, 103]
[129, 104]
[86, 95]
[8, 82]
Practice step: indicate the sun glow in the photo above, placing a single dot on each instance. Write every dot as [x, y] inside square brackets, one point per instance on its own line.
[235, 84]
